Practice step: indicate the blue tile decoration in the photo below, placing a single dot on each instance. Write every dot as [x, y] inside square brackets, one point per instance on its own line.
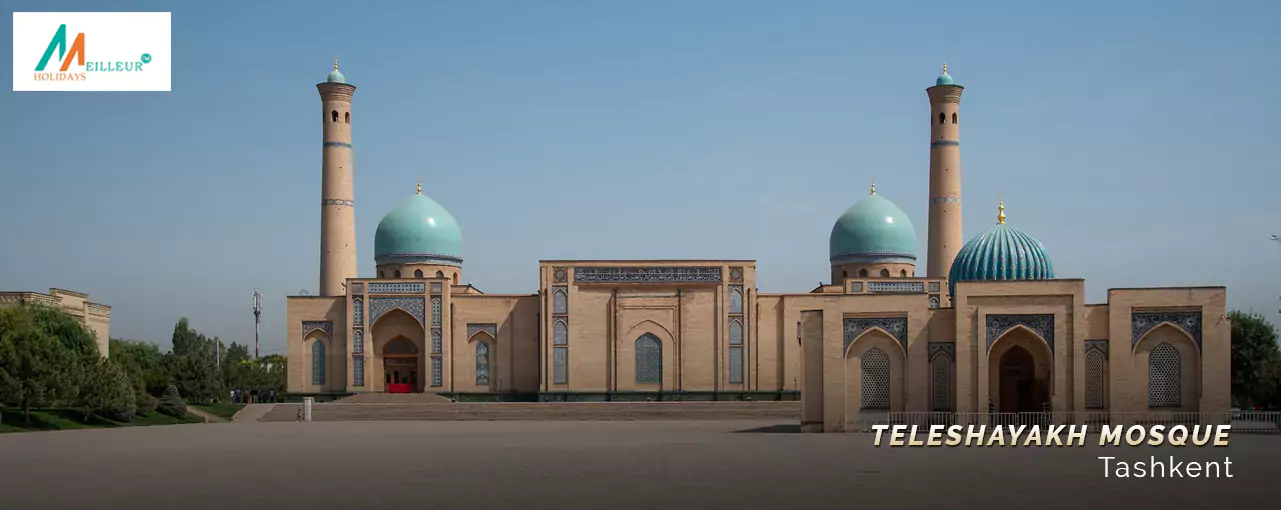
[318, 360]
[736, 275]
[1143, 322]
[342, 145]
[560, 275]
[396, 288]
[948, 348]
[647, 274]
[895, 326]
[381, 305]
[337, 201]
[896, 287]
[358, 342]
[1097, 345]
[437, 344]
[945, 200]
[736, 299]
[358, 371]
[945, 143]
[309, 326]
[1000, 253]
[1042, 324]
[649, 360]
[482, 363]
[357, 311]
[437, 378]
[435, 311]
[492, 329]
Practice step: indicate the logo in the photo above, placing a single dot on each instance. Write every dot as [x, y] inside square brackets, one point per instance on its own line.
[119, 51]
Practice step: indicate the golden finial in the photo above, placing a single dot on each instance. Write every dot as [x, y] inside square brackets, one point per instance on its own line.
[420, 187]
[336, 64]
[1000, 207]
[873, 185]
[944, 67]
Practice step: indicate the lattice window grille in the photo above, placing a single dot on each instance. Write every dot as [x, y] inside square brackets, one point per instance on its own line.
[358, 342]
[736, 299]
[437, 376]
[874, 391]
[1164, 377]
[435, 311]
[736, 365]
[1094, 380]
[735, 333]
[437, 346]
[358, 371]
[318, 362]
[560, 301]
[482, 364]
[649, 360]
[941, 377]
[560, 333]
[560, 365]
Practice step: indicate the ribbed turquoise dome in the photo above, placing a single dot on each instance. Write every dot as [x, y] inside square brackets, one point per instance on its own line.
[1001, 253]
[418, 230]
[873, 230]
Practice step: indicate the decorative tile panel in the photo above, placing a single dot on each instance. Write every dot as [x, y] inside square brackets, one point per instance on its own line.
[560, 275]
[396, 288]
[318, 362]
[437, 377]
[1097, 345]
[380, 305]
[492, 329]
[310, 326]
[945, 200]
[1042, 324]
[1143, 322]
[358, 371]
[357, 342]
[435, 311]
[649, 360]
[337, 201]
[482, 363]
[934, 301]
[357, 311]
[736, 275]
[647, 274]
[896, 287]
[895, 326]
[947, 348]
[436, 343]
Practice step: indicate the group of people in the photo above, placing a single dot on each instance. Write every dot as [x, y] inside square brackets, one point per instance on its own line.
[253, 396]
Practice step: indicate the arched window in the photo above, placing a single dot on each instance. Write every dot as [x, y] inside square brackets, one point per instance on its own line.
[318, 362]
[954, 118]
[1094, 380]
[735, 352]
[560, 353]
[862, 273]
[436, 343]
[942, 118]
[397, 273]
[649, 360]
[885, 272]
[735, 300]
[334, 115]
[435, 311]
[902, 273]
[482, 363]
[874, 381]
[941, 381]
[418, 273]
[347, 117]
[1164, 377]
[560, 301]
[381, 274]
[440, 274]
[455, 278]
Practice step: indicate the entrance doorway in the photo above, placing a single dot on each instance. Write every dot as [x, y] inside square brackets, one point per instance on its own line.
[401, 366]
[1020, 390]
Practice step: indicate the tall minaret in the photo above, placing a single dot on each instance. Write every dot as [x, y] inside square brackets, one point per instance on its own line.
[945, 175]
[337, 213]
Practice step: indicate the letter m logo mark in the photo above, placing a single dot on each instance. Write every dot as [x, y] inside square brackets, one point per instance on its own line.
[59, 43]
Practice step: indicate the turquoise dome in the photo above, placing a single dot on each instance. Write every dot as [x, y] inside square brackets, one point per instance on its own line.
[418, 230]
[336, 77]
[873, 230]
[944, 79]
[1000, 253]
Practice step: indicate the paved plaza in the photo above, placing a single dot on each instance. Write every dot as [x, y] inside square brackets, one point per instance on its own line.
[592, 465]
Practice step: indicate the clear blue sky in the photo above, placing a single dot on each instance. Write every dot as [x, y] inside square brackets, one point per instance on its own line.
[1131, 138]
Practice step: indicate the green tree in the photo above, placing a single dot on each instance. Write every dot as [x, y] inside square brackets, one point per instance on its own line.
[144, 363]
[36, 368]
[1256, 359]
[193, 364]
[108, 392]
[171, 403]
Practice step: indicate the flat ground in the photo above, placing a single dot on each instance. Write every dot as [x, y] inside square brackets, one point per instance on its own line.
[569, 465]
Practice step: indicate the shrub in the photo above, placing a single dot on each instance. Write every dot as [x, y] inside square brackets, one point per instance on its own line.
[171, 403]
[144, 403]
[108, 392]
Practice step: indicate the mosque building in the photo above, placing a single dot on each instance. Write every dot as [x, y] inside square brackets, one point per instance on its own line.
[988, 328]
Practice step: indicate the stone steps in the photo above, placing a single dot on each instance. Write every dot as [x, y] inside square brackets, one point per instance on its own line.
[535, 411]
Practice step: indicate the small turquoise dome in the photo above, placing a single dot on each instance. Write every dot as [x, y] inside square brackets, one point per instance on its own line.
[871, 231]
[418, 230]
[944, 79]
[336, 77]
[1001, 253]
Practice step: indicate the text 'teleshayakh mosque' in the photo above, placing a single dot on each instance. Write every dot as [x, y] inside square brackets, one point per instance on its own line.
[988, 327]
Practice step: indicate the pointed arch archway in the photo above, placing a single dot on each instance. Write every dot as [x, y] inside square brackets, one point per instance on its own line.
[1167, 365]
[484, 350]
[398, 349]
[1020, 371]
[647, 358]
[875, 369]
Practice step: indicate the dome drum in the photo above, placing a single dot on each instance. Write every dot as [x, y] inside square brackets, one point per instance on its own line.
[874, 258]
[418, 258]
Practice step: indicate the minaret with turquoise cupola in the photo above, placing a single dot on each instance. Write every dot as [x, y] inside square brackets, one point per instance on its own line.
[337, 203]
[945, 236]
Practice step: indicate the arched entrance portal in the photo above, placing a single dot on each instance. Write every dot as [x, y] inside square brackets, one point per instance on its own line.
[1020, 390]
[401, 365]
